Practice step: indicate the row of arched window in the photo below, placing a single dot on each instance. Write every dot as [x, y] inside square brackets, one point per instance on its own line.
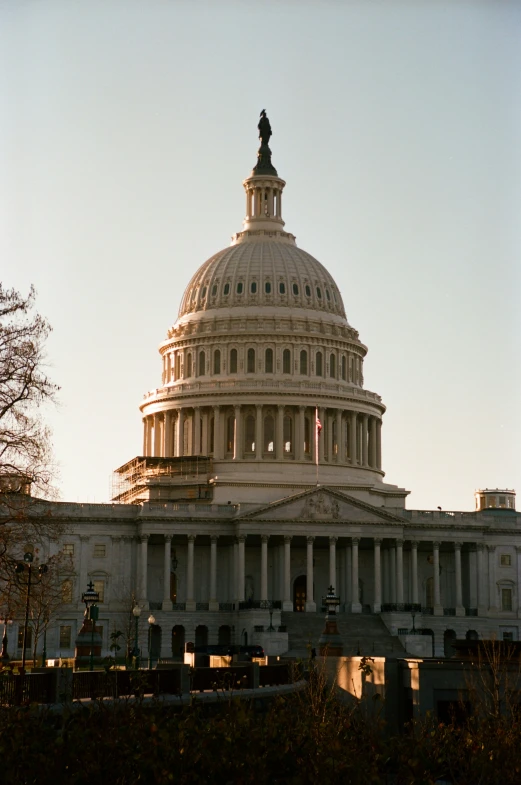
[341, 368]
[269, 288]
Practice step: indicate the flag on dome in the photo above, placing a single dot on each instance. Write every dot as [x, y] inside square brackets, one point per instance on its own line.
[317, 422]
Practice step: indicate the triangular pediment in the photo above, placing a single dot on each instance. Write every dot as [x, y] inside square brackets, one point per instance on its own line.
[322, 504]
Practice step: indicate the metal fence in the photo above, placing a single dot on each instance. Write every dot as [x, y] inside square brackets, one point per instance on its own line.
[119, 683]
[16, 690]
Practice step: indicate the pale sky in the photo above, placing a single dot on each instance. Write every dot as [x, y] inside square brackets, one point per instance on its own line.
[126, 129]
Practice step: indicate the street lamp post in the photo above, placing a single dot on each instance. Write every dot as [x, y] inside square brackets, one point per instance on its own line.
[27, 564]
[136, 610]
[151, 622]
[91, 598]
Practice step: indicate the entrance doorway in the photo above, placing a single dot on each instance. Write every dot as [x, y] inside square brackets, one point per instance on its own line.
[299, 594]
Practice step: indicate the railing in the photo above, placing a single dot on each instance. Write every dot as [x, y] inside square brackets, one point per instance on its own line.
[271, 675]
[179, 606]
[265, 605]
[233, 678]
[16, 690]
[402, 607]
[428, 611]
[407, 631]
[449, 611]
[202, 606]
[226, 606]
[156, 606]
[114, 684]
[471, 611]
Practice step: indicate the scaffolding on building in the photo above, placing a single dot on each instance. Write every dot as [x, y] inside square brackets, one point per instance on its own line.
[145, 478]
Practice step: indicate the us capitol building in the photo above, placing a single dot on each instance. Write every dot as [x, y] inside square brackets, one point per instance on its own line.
[260, 481]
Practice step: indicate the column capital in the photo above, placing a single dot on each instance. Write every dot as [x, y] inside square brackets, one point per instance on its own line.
[491, 548]
[310, 539]
[214, 537]
[241, 537]
[84, 537]
[116, 537]
[355, 540]
[167, 537]
[301, 408]
[377, 540]
[333, 540]
[191, 537]
[127, 537]
[480, 546]
[258, 406]
[265, 537]
[143, 538]
[237, 407]
[458, 546]
[414, 544]
[288, 537]
[399, 542]
[436, 546]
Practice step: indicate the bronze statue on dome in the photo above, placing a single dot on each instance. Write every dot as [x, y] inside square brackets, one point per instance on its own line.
[264, 165]
[264, 128]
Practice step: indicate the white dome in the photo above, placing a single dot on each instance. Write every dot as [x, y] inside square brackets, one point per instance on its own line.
[265, 272]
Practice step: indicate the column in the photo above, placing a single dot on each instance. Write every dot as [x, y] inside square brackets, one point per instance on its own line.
[145, 434]
[365, 441]
[197, 431]
[482, 603]
[377, 605]
[311, 605]
[339, 441]
[190, 599]
[492, 590]
[460, 610]
[414, 570]
[378, 444]
[356, 607]
[241, 540]
[287, 604]
[167, 435]
[180, 433]
[205, 433]
[299, 439]
[167, 601]
[518, 587]
[217, 435]
[332, 563]
[143, 559]
[279, 433]
[321, 438]
[213, 604]
[258, 431]
[264, 567]
[438, 608]
[373, 462]
[347, 578]
[392, 573]
[329, 430]
[157, 435]
[399, 572]
[352, 437]
[237, 436]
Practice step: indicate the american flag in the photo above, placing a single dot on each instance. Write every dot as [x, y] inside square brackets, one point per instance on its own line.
[318, 423]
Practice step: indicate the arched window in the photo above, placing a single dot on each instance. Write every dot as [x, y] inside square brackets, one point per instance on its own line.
[202, 363]
[188, 365]
[318, 365]
[249, 434]
[286, 361]
[267, 287]
[308, 291]
[268, 361]
[217, 361]
[253, 287]
[226, 289]
[269, 434]
[239, 287]
[288, 434]
[319, 293]
[332, 366]
[230, 433]
[233, 361]
[344, 367]
[307, 436]
[214, 290]
[282, 288]
[250, 367]
[295, 288]
[304, 362]
[177, 366]
[66, 591]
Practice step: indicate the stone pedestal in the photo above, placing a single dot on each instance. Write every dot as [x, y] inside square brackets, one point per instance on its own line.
[88, 640]
[330, 643]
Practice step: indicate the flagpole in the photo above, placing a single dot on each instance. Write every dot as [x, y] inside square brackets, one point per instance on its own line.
[317, 433]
